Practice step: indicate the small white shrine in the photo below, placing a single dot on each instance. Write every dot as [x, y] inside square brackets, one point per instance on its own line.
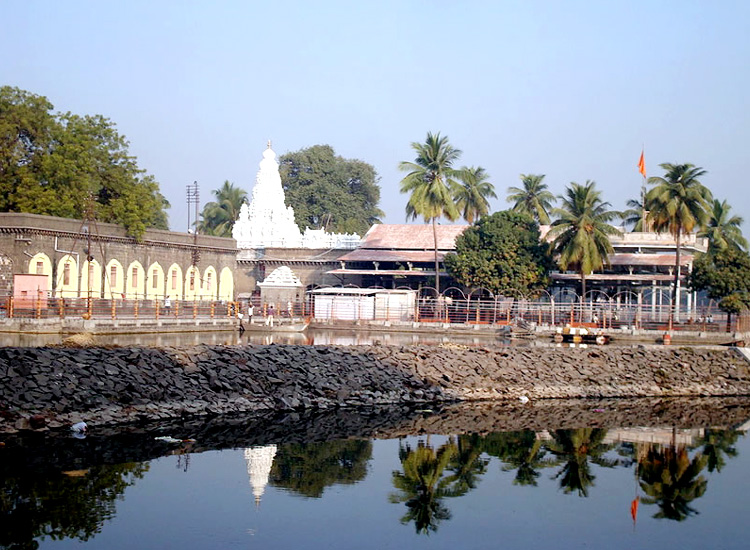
[281, 286]
[267, 222]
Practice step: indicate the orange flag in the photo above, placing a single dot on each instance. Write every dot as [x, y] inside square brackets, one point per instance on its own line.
[634, 510]
[642, 165]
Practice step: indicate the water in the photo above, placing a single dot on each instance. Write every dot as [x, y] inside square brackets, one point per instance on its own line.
[259, 484]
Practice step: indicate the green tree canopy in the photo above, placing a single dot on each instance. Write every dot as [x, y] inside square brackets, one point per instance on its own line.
[502, 253]
[50, 163]
[330, 192]
[725, 276]
[218, 217]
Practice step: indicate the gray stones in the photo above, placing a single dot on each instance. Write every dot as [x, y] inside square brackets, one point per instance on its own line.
[121, 385]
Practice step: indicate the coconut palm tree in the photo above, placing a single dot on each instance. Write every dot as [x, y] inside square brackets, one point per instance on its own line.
[431, 180]
[633, 216]
[581, 232]
[722, 230]
[678, 203]
[534, 199]
[219, 216]
[471, 196]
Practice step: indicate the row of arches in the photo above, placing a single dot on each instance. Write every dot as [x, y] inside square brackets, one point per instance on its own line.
[114, 280]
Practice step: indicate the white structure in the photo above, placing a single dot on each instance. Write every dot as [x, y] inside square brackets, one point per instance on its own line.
[259, 462]
[267, 222]
[359, 304]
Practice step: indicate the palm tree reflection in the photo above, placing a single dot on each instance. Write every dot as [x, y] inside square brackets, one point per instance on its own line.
[577, 448]
[670, 479]
[422, 485]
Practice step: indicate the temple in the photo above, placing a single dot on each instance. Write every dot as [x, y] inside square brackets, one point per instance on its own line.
[267, 222]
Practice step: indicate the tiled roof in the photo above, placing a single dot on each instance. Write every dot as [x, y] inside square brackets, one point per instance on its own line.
[374, 255]
[649, 259]
[411, 236]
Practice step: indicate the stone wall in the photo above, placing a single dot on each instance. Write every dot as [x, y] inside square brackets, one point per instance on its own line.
[51, 387]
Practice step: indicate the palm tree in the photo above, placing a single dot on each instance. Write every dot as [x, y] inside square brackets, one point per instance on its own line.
[219, 216]
[431, 180]
[722, 230]
[471, 197]
[582, 231]
[678, 203]
[534, 199]
[633, 216]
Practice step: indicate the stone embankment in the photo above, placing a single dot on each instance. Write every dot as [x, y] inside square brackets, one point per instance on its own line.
[51, 387]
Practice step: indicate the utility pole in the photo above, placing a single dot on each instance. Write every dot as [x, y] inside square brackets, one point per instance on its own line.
[193, 198]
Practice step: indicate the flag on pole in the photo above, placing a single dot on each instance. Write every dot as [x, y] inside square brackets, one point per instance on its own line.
[642, 165]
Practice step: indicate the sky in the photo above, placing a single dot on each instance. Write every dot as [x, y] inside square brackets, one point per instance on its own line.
[570, 89]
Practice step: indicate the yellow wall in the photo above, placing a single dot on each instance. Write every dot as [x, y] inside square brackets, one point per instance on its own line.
[96, 279]
[192, 283]
[155, 275]
[114, 287]
[226, 285]
[135, 285]
[46, 267]
[210, 283]
[174, 282]
[69, 290]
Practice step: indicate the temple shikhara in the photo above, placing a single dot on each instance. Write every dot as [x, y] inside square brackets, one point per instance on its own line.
[267, 222]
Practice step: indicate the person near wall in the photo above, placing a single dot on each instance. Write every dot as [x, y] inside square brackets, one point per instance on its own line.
[270, 312]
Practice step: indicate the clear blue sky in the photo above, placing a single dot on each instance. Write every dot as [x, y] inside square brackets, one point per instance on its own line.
[570, 89]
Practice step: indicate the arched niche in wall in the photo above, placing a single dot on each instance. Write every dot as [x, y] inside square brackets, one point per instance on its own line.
[66, 285]
[114, 280]
[226, 285]
[40, 264]
[91, 278]
[155, 282]
[192, 282]
[174, 282]
[136, 281]
[210, 283]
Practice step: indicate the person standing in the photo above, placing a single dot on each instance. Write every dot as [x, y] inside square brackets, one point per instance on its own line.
[250, 311]
[167, 305]
[269, 315]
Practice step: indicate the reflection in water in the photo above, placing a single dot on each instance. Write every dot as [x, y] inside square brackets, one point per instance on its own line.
[671, 480]
[39, 503]
[72, 504]
[308, 468]
[422, 485]
[259, 462]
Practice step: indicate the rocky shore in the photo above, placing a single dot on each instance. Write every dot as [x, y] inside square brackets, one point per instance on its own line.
[42, 388]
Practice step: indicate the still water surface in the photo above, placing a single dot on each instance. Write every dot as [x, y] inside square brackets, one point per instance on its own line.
[582, 488]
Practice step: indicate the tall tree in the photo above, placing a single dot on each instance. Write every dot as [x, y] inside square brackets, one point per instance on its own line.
[52, 163]
[472, 195]
[678, 203]
[633, 216]
[723, 230]
[219, 216]
[502, 253]
[330, 192]
[582, 231]
[533, 199]
[431, 182]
